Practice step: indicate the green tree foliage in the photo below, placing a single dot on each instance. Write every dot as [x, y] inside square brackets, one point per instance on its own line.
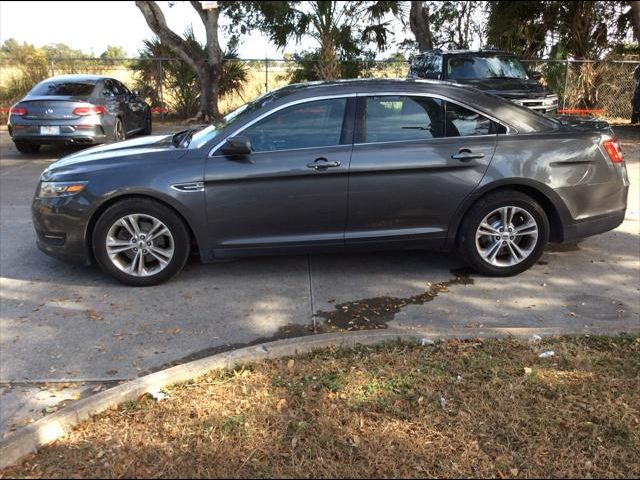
[114, 52]
[579, 29]
[340, 29]
[305, 66]
[179, 78]
[25, 65]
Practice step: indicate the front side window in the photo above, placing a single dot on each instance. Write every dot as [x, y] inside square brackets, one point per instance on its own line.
[121, 88]
[462, 122]
[312, 124]
[391, 118]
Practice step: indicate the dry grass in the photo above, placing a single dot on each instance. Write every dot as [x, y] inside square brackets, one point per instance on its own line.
[458, 408]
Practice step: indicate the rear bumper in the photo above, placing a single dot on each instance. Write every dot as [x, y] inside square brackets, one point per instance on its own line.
[69, 134]
[593, 226]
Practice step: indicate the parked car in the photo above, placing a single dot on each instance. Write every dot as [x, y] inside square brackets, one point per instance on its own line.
[77, 110]
[492, 71]
[336, 166]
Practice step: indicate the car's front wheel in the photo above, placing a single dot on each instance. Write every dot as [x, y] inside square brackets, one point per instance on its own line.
[27, 147]
[140, 242]
[504, 233]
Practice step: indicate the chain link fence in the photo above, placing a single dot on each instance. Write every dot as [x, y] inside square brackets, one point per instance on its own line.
[599, 88]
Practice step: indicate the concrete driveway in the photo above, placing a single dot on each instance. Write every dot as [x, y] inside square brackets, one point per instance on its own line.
[67, 331]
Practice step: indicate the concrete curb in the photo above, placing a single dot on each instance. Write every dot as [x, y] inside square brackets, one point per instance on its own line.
[58, 424]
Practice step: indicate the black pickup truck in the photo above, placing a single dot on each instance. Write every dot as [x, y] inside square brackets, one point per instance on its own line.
[493, 71]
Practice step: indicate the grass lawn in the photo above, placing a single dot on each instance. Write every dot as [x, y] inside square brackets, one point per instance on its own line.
[489, 408]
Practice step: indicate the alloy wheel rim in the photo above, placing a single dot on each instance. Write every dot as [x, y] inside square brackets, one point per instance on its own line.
[507, 236]
[140, 245]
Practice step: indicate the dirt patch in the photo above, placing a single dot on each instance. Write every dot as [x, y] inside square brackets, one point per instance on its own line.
[453, 409]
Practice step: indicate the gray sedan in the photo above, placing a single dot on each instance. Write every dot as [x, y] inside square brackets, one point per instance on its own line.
[77, 110]
[337, 166]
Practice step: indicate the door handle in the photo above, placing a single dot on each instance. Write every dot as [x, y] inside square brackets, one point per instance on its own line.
[464, 155]
[322, 164]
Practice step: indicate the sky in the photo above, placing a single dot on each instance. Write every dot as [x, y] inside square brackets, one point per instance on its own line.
[92, 25]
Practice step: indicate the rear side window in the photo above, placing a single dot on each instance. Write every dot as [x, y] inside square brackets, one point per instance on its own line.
[390, 118]
[426, 66]
[65, 89]
[311, 124]
[462, 122]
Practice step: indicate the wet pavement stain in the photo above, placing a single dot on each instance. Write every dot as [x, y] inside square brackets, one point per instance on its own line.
[375, 313]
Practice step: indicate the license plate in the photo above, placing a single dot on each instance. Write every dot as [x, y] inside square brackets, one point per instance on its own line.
[49, 130]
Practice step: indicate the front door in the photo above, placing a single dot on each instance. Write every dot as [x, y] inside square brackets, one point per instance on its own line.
[291, 191]
[414, 160]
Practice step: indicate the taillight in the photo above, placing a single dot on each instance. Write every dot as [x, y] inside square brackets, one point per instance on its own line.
[88, 110]
[19, 111]
[612, 147]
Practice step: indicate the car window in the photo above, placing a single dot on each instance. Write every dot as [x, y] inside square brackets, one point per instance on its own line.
[391, 118]
[462, 122]
[311, 124]
[121, 88]
[468, 67]
[427, 66]
[62, 88]
[109, 89]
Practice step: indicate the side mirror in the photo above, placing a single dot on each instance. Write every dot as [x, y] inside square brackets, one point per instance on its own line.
[236, 146]
[535, 75]
[136, 92]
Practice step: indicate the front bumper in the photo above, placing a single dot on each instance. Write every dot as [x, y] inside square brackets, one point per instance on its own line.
[60, 225]
[545, 105]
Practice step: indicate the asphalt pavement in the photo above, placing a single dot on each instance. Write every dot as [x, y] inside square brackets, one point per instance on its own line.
[67, 331]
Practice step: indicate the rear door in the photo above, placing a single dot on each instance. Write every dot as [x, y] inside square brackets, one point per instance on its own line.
[414, 160]
[291, 191]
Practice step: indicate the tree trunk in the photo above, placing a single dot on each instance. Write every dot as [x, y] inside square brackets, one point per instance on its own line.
[419, 24]
[327, 68]
[208, 69]
[635, 19]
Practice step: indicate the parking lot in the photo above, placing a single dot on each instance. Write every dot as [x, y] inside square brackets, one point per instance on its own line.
[65, 323]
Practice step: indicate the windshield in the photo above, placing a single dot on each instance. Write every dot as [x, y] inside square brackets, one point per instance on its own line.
[206, 134]
[463, 67]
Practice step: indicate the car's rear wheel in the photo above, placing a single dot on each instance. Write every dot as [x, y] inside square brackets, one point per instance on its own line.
[140, 242]
[504, 234]
[118, 131]
[27, 147]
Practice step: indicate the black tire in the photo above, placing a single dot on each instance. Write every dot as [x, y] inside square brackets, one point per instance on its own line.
[485, 206]
[148, 124]
[146, 207]
[27, 147]
[119, 133]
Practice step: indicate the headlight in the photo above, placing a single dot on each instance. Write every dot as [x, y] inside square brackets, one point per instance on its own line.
[551, 100]
[60, 189]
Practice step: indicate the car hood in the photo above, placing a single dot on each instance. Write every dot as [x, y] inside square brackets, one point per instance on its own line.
[508, 87]
[125, 151]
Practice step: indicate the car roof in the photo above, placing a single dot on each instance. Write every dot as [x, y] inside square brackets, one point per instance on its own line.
[488, 51]
[519, 118]
[75, 78]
